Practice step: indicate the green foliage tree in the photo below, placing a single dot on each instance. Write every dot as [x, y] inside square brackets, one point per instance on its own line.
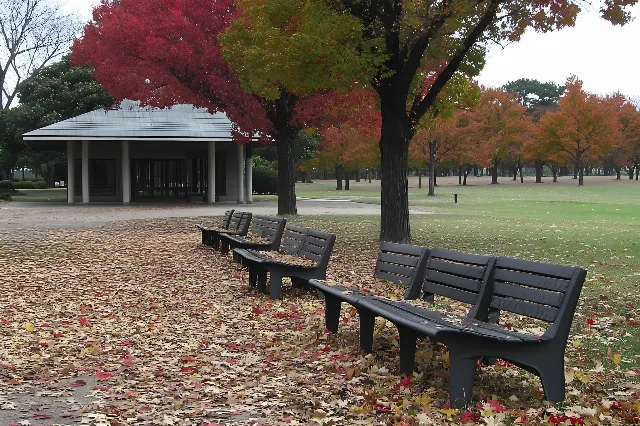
[534, 94]
[54, 93]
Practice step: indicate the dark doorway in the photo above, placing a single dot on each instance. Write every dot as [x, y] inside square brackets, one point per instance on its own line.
[158, 179]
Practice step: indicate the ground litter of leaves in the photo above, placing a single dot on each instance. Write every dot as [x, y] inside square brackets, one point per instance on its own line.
[152, 327]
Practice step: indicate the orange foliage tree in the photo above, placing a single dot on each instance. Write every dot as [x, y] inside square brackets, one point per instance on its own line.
[585, 127]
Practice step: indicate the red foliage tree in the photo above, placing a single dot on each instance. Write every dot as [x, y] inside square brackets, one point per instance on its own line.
[164, 52]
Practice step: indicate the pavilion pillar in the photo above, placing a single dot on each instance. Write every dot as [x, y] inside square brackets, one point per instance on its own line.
[85, 172]
[211, 173]
[126, 174]
[71, 177]
[241, 174]
[248, 169]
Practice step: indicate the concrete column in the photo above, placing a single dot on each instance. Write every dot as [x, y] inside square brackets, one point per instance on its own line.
[85, 172]
[71, 178]
[211, 183]
[248, 170]
[241, 174]
[126, 174]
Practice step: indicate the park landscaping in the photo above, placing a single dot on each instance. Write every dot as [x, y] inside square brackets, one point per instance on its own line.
[159, 329]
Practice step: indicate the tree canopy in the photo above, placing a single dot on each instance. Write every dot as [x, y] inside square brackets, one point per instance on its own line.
[533, 94]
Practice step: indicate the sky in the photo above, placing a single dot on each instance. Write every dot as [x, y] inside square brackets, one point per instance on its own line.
[603, 56]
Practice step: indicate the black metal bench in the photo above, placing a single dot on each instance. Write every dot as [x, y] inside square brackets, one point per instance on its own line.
[207, 231]
[267, 227]
[397, 263]
[238, 225]
[536, 290]
[297, 241]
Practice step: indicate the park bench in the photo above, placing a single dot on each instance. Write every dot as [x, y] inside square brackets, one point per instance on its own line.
[266, 228]
[238, 225]
[309, 251]
[224, 224]
[534, 290]
[396, 263]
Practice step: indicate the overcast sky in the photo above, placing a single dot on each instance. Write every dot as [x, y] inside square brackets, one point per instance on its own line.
[604, 57]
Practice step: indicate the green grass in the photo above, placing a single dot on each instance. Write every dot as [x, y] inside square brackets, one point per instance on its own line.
[595, 227]
[51, 194]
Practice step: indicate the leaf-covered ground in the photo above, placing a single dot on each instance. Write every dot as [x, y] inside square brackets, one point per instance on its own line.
[158, 329]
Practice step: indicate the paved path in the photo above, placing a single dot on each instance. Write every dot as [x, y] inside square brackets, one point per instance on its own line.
[32, 215]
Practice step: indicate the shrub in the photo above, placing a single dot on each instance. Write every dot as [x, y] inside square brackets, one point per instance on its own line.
[24, 185]
[5, 196]
[265, 182]
[40, 184]
[6, 185]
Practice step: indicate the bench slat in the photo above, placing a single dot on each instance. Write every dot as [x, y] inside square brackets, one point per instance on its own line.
[529, 294]
[398, 259]
[457, 256]
[456, 268]
[452, 293]
[531, 280]
[541, 312]
[395, 269]
[437, 277]
[548, 269]
[404, 249]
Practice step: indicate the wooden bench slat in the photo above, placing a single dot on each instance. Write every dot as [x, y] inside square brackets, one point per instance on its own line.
[529, 294]
[395, 269]
[398, 259]
[456, 268]
[403, 249]
[452, 293]
[457, 256]
[531, 280]
[541, 312]
[548, 269]
[437, 277]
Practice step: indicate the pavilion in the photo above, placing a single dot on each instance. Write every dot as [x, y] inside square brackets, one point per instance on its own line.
[140, 154]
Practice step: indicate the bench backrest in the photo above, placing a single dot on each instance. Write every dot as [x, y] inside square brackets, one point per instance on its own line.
[224, 222]
[317, 246]
[270, 227]
[402, 264]
[456, 275]
[240, 222]
[293, 239]
[543, 291]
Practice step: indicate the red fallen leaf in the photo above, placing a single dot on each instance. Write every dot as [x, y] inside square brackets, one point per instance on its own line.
[41, 416]
[125, 344]
[630, 305]
[576, 421]
[144, 409]
[366, 290]
[83, 322]
[616, 404]
[57, 334]
[604, 298]
[345, 320]
[381, 408]
[591, 321]
[103, 375]
[521, 420]
[186, 370]
[78, 383]
[257, 310]
[404, 382]
[633, 323]
[557, 419]
[468, 417]
[495, 405]
[3, 321]
[45, 325]
[101, 388]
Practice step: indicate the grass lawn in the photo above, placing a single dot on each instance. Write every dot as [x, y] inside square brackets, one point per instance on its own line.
[41, 195]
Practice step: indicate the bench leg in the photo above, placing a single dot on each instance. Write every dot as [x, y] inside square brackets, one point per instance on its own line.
[332, 308]
[552, 377]
[461, 372]
[261, 275]
[367, 326]
[224, 246]
[204, 238]
[253, 277]
[275, 285]
[408, 341]
[297, 282]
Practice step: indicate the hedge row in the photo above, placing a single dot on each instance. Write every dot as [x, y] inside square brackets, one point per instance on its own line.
[265, 182]
[40, 184]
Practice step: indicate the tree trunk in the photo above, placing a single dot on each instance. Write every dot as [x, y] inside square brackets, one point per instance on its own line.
[515, 173]
[51, 175]
[580, 175]
[464, 177]
[539, 166]
[394, 145]
[575, 172]
[521, 177]
[346, 180]
[370, 172]
[630, 172]
[338, 178]
[494, 174]
[419, 178]
[432, 171]
[358, 174]
[285, 147]
[618, 171]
